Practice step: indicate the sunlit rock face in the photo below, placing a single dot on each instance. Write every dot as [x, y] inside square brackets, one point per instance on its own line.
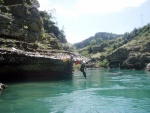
[20, 20]
[135, 57]
[22, 57]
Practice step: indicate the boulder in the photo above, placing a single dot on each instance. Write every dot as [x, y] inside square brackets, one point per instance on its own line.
[148, 67]
[118, 57]
[132, 62]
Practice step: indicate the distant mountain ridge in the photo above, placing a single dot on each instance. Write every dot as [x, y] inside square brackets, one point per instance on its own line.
[103, 35]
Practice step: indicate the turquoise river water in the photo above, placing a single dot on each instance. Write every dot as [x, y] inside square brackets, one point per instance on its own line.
[104, 91]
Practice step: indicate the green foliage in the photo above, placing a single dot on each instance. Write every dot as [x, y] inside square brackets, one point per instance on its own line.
[135, 40]
[136, 32]
[99, 37]
[92, 42]
[8, 14]
[97, 55]
[43, 36]
[62, 36]
[103, 63]
[84, 52]
[68, 47]
[50, 26]
[34, 3]
[90, 49]
[42, 46]
[99, 40]
[110, 49]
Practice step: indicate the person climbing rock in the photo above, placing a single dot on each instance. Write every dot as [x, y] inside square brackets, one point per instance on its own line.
[82, 68]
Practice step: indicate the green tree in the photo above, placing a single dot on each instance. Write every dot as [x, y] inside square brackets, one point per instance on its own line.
[34, 3]
[51, 27]
[99, 40]
[92, 42]
[90, 49]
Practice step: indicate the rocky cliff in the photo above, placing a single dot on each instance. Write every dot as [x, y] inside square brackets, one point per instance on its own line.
[19, 20]
[135, 54]
[17, 65]
[27, 51]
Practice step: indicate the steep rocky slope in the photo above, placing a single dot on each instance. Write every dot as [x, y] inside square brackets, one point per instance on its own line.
[27, 50]
[133, 55]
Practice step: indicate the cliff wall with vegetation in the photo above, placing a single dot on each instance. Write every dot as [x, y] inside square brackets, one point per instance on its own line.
[129, 51]
[30, 43]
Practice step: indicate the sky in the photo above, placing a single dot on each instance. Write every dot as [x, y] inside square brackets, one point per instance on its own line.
[81, 19]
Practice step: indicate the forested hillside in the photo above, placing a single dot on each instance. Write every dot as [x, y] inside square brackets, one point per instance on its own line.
[97, 39]
[131, 50]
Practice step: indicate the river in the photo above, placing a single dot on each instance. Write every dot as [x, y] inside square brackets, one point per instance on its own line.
[104, 91]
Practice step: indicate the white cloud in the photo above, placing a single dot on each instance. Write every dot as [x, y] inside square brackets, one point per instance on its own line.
[75, 8]
[73, 36]
[60, 9]
[46, 5]
[106, 6]
[89, 6]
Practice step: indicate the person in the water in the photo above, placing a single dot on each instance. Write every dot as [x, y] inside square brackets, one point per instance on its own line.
[82, 68]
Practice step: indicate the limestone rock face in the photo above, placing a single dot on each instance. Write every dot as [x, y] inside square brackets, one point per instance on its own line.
[25, 49]
[117, 57]
[20, 20]
[17, 65]
[131, 58]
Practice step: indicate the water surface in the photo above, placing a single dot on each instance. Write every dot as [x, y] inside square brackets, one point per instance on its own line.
[104, 91]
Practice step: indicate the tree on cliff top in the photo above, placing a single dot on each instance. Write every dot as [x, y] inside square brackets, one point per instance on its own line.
[50, 26]
[35, 3]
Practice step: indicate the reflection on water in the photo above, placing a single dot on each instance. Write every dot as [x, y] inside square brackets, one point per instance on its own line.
[104, 91]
